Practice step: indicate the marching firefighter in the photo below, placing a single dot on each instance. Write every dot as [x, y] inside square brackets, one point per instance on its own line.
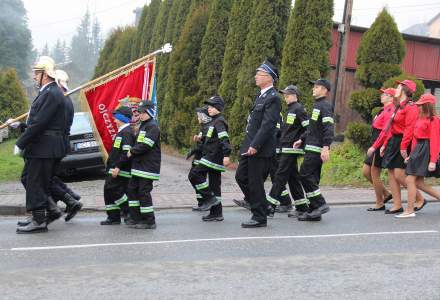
[42, 145]
[204, 119]
[317, 140]
[287, 172]
[59, 190]
[258, 147]
[145, 168]
[215, 156]
[118, 168]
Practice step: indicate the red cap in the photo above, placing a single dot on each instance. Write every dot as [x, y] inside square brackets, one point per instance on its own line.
[409, 84]
[426, 98]
[389, 91]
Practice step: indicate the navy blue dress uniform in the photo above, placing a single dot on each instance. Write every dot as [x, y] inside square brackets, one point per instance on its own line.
[319, 133]
[145, 168]
[43, 144]
[58, 189]
[115, 188]
[287, 172]
[261, 135]
[197, 152]
[215, 147]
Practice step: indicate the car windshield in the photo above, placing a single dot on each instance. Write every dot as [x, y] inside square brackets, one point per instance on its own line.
[81, 124]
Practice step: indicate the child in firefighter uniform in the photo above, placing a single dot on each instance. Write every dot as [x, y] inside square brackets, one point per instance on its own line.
[145, 168]
[317, 140]
[287, 172]
[216, 151]
[118, 168]
[196, 153]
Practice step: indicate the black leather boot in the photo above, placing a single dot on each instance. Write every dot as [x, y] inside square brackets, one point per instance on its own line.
[53, 211]
[73, 206]
[37, 225]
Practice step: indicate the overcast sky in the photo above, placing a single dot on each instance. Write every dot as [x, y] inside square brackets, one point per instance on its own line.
[50, 20]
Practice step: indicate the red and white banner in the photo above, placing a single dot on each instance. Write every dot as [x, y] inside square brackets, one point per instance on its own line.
[125, 89]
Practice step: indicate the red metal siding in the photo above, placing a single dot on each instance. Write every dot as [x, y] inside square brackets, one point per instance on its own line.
[422, 59]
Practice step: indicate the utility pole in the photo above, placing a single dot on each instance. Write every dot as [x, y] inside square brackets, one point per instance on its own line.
[344, 30]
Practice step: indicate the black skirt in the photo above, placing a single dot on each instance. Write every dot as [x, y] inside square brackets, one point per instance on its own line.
[375, 159]
[392, 158]
[419, 160]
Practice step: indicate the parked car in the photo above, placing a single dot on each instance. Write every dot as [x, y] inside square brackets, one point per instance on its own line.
[85, 153]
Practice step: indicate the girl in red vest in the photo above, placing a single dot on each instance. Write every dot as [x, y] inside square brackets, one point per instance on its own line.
[394, 143]
[424, 155]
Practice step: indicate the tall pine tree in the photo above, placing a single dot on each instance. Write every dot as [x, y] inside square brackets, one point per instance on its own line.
[15, 37]
[13, 100]
[239, 18]
[147, 29]
[308, 40]
[264, 41]
[213, 48]
[136, 46]
[180, 100]
[160, 25]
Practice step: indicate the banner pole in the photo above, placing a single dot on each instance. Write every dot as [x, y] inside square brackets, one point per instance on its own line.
[167, 48]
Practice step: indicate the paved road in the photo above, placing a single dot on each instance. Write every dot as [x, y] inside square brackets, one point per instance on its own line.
[351, 254]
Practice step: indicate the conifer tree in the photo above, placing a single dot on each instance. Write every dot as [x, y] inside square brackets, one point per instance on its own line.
[306, 46]
[136, 47]
[178, 109]
[240, 15]
[160, 25]
[148, 26]
[264, 40]
[213, 48]
[380, 53]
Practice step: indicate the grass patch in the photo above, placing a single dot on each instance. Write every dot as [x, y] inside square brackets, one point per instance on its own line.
[10, 165]
[345, 166]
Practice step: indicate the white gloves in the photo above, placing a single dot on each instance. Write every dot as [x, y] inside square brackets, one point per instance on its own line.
[13, 124]
[18, 151]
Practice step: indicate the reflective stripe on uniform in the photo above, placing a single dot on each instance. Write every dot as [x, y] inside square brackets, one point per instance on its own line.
[198, 196]
[210, 131]
[111, 207]
[272, 200]
[143, 174]
[328, 120]
[285, 193]
[134, 203]
[121, 200]
[313, 194]
[126, 147]
[212, 165]
[223, 134]
[121, 173]
[305, 123]
[202, 186]
[301, 201]
[146, 210]
[290, 118]
[117, 143]
[292, 151]
[312, 148]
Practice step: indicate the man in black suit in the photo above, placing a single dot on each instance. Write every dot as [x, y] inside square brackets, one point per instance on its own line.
[42, 144]
[259, 145]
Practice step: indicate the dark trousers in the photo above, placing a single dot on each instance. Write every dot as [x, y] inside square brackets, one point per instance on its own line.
[36, 178]
[287, 172]
[115, 196]
[198, 196]
[139, 200]
[310, 174]
[198, 176]
[283, 198]
[250, 176]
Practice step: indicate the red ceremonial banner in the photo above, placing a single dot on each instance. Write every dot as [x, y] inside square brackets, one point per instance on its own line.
[125, 89]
